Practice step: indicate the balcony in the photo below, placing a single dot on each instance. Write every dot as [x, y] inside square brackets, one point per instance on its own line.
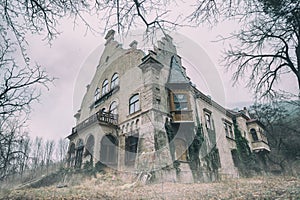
[182, 115]
[100, 117]
[260, 145]
[105, 96]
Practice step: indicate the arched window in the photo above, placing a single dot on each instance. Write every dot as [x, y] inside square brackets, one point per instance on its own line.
[108, 152]
[105, 87]
[79, 153]
[89, 147]
[114, 81]
[254, 134]
[113, 108]
[134, 104]
[97, 94]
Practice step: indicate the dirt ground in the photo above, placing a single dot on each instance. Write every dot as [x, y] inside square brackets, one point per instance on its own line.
[109, 187]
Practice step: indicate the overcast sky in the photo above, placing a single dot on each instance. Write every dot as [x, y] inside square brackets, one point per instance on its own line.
[73, 58]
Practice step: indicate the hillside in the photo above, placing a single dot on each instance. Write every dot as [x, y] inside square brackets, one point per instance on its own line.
[109, 187]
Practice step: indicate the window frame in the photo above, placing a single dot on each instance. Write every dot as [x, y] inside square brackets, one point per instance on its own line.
[97, 94]
[253, 132]
[114, 81]
[113, 110]
[104, 87]
[208, 121]
[179, 102]
[135, 104]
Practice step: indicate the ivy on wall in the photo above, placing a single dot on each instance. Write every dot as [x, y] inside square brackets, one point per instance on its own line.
[243, 158]
[171, 135]
[194, 150]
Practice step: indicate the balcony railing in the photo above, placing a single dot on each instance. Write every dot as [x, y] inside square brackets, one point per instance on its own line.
[105, 96]
[100, 116]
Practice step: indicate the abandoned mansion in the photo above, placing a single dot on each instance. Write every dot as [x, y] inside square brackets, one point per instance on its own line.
[141, 113]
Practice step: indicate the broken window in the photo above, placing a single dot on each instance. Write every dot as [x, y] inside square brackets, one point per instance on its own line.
[131, 144]
[228, 130]
[254, 134]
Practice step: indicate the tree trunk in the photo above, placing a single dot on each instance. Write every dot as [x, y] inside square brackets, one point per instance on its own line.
[298, 67]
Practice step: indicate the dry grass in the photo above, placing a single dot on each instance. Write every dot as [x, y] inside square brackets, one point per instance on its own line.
[109, 187]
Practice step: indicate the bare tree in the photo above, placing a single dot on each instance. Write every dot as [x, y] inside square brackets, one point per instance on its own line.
[281, 123]
[49, 149]
[61, 149]
[11, 152]
[37, 153]
[267, 46]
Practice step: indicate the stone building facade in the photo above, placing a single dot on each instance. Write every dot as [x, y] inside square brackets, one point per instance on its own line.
[141, 113]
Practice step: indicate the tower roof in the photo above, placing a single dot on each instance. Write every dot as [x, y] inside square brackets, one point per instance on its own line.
[176, 75]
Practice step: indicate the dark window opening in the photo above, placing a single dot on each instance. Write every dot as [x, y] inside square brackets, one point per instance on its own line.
[108, 152]
[131, 144]
[254, 134]
[208, 121]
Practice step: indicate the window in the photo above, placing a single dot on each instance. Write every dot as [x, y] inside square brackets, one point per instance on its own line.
[228, 130]
[180, 102]
[105, 87]
[97, 94]
[131, 144]
[254, 134]
[114, 81]
[208, 121]
[134, 104]
[113, 108]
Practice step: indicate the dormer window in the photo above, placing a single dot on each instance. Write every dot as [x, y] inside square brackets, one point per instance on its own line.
[114, 81]
[104, 87]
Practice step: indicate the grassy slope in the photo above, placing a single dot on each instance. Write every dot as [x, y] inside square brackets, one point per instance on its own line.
[108, 187]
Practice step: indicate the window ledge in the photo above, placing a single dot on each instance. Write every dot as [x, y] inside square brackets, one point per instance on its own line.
[134, 113]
